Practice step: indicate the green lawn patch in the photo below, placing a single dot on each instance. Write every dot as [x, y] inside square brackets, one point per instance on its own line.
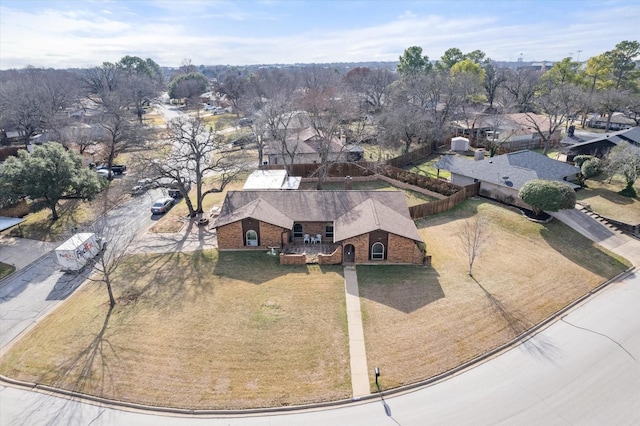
[428, 168]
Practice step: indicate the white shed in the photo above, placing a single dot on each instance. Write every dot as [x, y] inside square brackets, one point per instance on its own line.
[459, 144]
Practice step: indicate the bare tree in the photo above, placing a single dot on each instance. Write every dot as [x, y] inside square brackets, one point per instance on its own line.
[327, 105]
[473, 236]
[521, 85]
[611, 100]
[557, 103]
[196, 153]
[110, 91]
[35, 100]
[372, 86]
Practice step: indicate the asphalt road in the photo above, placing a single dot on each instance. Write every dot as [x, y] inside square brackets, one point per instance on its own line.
[32, 292]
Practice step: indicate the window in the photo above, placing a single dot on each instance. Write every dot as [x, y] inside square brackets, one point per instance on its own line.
[328, 231]
[377, 251]
[252, 238]
[297, 230]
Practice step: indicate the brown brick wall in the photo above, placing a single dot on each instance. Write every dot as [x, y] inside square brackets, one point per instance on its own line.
[313, 228]
[293, 259]
[270, 235]
[403, 250]
[361, 245]
[230, 236]
[334, 258]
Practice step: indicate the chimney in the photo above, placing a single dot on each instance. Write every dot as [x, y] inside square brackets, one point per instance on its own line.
[478, 155]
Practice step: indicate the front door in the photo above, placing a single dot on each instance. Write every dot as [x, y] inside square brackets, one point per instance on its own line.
[349, 254]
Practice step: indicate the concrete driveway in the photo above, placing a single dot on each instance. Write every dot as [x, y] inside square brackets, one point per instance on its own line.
[605, 235]
[20, 252]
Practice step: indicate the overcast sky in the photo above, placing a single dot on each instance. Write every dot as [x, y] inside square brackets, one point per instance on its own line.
[63, 34]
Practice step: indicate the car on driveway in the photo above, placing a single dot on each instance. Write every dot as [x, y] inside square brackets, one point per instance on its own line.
[162, 205]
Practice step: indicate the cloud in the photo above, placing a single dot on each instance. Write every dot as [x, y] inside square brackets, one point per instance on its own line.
[220, 32]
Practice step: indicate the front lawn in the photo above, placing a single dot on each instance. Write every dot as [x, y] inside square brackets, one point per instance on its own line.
[420, 322]
[198, 330]
[601, 195]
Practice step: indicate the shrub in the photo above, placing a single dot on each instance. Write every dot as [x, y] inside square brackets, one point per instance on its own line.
[580, 159]
[591, 167]
[547, 195]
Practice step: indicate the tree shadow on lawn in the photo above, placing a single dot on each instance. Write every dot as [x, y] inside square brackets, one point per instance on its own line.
[401, 287]
[581, 250]
[165, 280]
[90, 365]
[540, 347]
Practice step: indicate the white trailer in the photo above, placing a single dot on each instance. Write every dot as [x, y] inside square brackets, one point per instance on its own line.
[74, 253]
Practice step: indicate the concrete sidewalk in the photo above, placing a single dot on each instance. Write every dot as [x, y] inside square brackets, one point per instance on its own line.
[357, 352]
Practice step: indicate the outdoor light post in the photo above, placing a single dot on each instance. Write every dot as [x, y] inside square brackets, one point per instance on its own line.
[376, 372]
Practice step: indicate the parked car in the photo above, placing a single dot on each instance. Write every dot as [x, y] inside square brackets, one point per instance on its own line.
[162, 205]
[103, 172]
[245, 122]
[141, 186]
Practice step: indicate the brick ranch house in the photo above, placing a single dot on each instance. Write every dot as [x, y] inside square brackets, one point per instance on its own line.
[352, 226]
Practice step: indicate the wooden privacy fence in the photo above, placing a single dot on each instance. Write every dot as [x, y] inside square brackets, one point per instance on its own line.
[452, 195]
[410, 157]
[440, 206]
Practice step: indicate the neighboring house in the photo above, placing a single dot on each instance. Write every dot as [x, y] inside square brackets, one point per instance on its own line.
[271, 179]
[601, 145]
[511, 132]
[306, 146]
[502, 176]
[362, 226]
[618, 121]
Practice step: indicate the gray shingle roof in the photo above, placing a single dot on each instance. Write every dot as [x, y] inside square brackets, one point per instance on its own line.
[517, 167]
[631, 135]
[352, 212]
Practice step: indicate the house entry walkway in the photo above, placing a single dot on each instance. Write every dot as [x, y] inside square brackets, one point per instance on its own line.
[357, 352]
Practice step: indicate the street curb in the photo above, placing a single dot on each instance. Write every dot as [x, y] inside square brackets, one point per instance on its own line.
[328, 404]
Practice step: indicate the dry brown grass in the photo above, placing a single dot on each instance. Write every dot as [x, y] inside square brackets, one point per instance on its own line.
[420, 322]
[601, 195]
[195, 331]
